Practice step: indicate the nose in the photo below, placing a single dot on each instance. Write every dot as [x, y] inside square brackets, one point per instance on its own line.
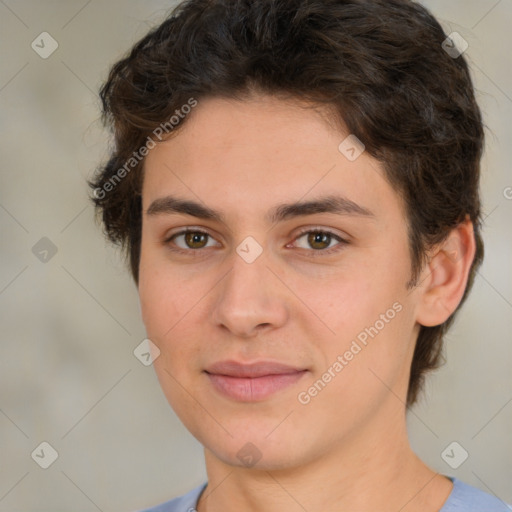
[250, 299]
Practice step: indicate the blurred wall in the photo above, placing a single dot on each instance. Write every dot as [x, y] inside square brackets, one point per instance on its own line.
[70, 318]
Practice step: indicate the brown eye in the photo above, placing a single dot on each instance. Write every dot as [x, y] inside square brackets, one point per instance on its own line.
[319, 239]
[195, 239]
[319, 242]
[189, 240]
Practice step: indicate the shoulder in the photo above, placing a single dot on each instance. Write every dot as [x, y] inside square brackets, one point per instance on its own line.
[466, 498]
[185, 503]
[463, 498]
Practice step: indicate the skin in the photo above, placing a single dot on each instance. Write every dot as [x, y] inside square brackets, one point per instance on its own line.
[347, 449]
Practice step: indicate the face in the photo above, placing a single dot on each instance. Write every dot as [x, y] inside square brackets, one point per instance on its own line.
[307, 295]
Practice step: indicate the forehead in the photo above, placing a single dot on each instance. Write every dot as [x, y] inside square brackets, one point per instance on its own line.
[248, 156]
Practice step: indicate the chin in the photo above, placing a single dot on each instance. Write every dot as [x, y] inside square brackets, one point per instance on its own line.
[254, 447]
[257, 456]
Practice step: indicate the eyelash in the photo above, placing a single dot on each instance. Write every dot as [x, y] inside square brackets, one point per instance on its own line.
[314, 252]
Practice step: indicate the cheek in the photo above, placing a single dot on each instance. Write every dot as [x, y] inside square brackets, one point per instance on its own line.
[163, 295]
[171, 309]
[345, 304]
[370, 322]
[165, 302]
[156, 305]
[163, 310]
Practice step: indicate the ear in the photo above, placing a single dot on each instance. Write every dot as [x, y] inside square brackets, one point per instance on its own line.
[443, 280]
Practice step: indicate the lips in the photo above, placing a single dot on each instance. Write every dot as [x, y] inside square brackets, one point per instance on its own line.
[251, 370]
[254, 381]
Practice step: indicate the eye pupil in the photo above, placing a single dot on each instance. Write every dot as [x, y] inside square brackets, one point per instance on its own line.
[193, 238]
[323, 239]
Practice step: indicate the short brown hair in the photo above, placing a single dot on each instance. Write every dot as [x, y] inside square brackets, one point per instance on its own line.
[379, 64]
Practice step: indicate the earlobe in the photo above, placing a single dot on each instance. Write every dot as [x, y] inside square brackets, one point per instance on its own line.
[445, 277]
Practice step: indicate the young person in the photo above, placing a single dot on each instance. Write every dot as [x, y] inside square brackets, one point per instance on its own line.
[295, 183]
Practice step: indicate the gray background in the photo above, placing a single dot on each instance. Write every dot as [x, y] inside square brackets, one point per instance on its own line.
[69, 325]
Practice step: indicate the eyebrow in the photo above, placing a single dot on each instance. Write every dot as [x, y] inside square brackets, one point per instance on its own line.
[338, 205]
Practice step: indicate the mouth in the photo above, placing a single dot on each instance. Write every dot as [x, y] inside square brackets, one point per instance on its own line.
[252, 382]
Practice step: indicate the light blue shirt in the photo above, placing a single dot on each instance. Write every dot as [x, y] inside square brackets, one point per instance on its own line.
[463, 498]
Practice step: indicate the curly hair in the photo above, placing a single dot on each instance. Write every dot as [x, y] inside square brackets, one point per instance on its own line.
[380, 65]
